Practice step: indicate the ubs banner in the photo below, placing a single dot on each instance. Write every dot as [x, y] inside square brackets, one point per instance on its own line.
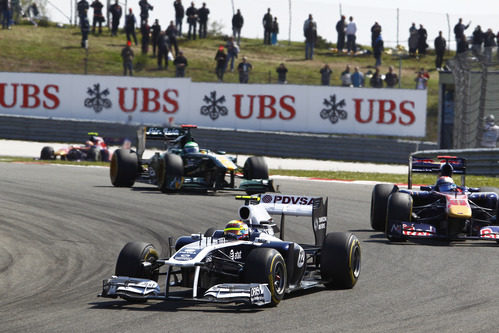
[158, 101]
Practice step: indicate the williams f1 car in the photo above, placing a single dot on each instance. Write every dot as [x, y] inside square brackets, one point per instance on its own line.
[259, 268]
[95, 149]
[442, 211]
[183, 166]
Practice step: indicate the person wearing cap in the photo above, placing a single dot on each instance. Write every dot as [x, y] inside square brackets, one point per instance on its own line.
[221, 59]
[180, 63]
[490, 133]
[244, 68]
[127, 55]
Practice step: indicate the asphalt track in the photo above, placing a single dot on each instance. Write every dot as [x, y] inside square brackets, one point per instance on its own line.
[62, 227]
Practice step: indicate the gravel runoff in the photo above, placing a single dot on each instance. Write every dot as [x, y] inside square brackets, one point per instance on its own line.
[32, 149]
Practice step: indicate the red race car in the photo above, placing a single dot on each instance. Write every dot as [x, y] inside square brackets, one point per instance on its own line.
[95, 149]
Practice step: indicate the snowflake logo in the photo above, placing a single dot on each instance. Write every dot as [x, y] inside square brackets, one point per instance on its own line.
[97, 99]
[333, 110]
[213, 109]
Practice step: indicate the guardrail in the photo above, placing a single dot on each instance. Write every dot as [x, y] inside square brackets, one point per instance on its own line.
[480, 161]
[296, 145]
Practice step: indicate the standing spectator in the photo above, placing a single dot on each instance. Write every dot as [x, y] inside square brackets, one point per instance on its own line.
[232, 51]
[237, 24]
[130, 23]
[155, 31]
[422, 37]
[376, 81]
[267, 27]
[192, 18]
[221, 59]
[326, 73]
[477, 41]
[116, 13]
[422, 79]
[282, 71]
[145, 30]
[378, 48]
[145, 7]
[350, 32]
[391, 79]
[172, 34]
[340, 29]
[346, 77]
[357, 78]
[203, 13]
[459, 30]
[244, 68]
[127, 55]
[180, 63]
[179, 15]
[307, 23]
[310, 39]
[413, 40]
[274, 31]
[489, 43]
[98, 17]
[163, 49]
[440, 45]
[82, 6]
[85, 29]
[490, 133]
[462, 44]
[375, 32]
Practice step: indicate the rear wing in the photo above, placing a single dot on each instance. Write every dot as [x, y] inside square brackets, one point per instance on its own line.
[170, 135]
[435, 165]
[293, 205]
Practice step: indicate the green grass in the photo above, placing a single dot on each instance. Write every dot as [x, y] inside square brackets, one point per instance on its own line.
[26, 48]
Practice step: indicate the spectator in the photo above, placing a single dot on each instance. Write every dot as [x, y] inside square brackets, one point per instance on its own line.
[244, 68]
[440, 45]
[422, 37]
[376, 80]
[391, 79]
[127, 55]
[221, 59]
[155, 31]
[145, 30]
[459, 30]
[462, 44]
[489, 43]
[326, 73]
[116, 12]
[130, 23]
[307, 23]
[163, 50]
[375, 32]
[172, 34]
[145, 7]
[192, 18]
[82, 6]
[310, 39]
[180, 63]
[98, 17]
[378, 49]
[179, 15]
[232, 51]
[477, 41]
[490, 133]
[422, 79]
[282, 72]
[340, 29]
[237, 24]
[357, 78]
[350, 32]
[274, 31]
[267, 27]
[203, 13]
[413, 40]
[85, 29]
[346, 77]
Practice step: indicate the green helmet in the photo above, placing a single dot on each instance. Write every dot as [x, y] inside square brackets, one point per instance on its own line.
[191, 147]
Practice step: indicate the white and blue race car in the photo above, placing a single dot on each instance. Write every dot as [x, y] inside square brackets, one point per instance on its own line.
[258, 270]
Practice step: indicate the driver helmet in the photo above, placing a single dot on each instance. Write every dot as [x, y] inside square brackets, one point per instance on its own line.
[445, 184]
[191, 147]
[236, 229]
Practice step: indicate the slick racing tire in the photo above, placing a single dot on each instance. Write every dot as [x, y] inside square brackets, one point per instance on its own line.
[93, 154]
[47, 153]
[399, 209]
[255, 167]
[379, 200]
[170, 173]
[124, 168]
[340, 260]
[74, 155]
[265, 265]
[210, 232]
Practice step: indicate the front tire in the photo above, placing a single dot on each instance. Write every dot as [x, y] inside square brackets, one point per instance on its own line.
[399, 209]
[170, 174]
[124, 168]
[340, 260]
[379, 200]
[255, 167]
[132, 256]
[266, 265]
[47, 153]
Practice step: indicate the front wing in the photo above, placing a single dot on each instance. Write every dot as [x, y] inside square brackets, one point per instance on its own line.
[403, 229]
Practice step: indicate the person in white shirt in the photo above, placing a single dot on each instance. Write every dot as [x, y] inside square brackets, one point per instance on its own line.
[350, 32]
[490, 133]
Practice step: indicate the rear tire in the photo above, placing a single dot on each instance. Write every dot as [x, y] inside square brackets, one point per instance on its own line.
[170, 174]
[399, 209]
[340, 260]
[47, 153]
[124, 168]
[379, 200]
[266, 265]
[255, 167]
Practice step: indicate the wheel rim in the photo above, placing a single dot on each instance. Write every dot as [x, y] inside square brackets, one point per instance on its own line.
[279, 279]
[355, 263]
